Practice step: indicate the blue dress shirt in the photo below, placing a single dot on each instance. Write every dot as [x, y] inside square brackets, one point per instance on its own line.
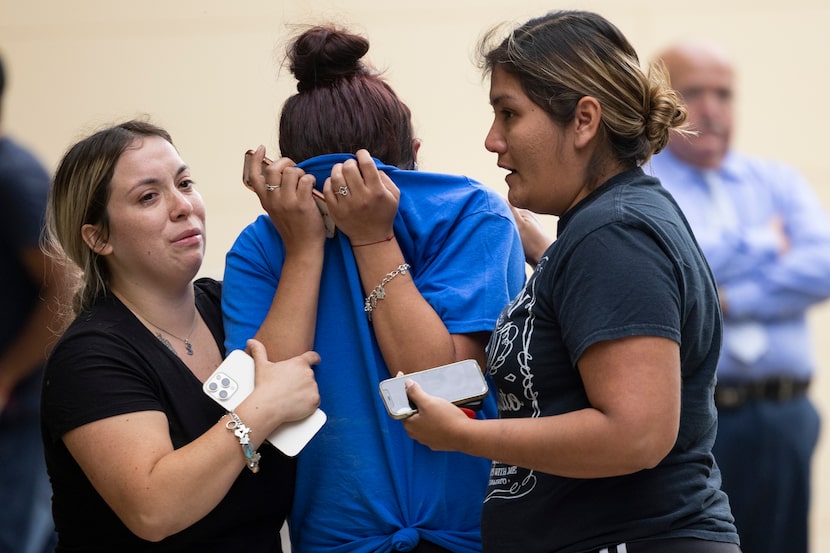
[764, 285]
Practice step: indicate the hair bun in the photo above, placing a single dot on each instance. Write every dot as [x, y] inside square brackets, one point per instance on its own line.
[322, 55]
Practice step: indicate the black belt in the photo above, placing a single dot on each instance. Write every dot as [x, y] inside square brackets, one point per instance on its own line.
[729, 395]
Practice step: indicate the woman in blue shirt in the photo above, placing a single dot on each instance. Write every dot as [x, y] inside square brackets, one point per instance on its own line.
[415, 276]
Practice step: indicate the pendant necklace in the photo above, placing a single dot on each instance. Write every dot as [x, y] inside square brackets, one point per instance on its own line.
[186, 340]
[187, 345]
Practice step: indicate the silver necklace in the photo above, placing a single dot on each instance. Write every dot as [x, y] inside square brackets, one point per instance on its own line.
[186, 340]
[187, 345]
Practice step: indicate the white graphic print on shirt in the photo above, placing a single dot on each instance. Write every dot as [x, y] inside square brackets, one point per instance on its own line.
[510, 481]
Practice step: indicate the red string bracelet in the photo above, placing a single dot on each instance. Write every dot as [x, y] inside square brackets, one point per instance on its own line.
[387, 239]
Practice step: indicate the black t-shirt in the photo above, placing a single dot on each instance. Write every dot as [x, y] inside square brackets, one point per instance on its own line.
[624, 264]
[107, 364]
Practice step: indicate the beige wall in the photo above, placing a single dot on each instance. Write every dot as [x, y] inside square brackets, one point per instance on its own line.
[207, 70]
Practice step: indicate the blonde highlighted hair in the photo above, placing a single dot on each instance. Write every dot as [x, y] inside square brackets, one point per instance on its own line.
[564, 56]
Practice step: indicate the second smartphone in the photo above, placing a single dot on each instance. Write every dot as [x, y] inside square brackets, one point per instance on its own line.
[460, 383]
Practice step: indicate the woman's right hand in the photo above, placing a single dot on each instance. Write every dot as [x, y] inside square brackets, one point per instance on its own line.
[285, 193]
[286, 389]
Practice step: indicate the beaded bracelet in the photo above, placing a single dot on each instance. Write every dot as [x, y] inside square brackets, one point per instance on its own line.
[379, 292]
[241, 431]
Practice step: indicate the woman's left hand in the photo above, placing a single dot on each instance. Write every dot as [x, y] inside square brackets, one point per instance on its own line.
[438, 424]
[362, 200]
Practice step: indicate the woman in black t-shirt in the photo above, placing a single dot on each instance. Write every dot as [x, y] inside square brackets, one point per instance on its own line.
[140, 459]
[605, 362]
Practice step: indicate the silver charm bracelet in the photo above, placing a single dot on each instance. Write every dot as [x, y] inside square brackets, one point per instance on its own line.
[242, 432]
[379, 292]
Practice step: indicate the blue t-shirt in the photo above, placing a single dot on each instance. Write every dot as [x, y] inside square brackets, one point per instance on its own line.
[362, 484]
[624, 264]
[24, 188]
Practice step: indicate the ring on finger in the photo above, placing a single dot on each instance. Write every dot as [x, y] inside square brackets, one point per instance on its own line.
[271, 187]
[343, 190]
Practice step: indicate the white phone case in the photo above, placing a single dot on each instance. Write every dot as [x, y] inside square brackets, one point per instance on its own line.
[233, 380]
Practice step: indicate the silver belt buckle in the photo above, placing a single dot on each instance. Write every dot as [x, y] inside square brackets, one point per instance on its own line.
[786, 386]
[729, 396]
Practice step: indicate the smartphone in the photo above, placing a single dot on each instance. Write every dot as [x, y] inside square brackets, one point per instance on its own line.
[461, 383]
[233, 381]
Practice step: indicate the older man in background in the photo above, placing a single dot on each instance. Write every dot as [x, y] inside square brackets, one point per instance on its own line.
[767, 239]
